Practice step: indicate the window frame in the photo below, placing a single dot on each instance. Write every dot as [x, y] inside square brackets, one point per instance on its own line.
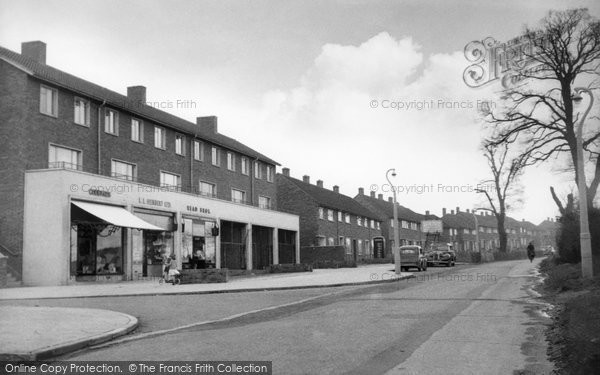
[133, 170]
[257, 170]
[230, 161]
[163, 138]
[79, 152]
[270, 173]
[215, 154]
[54, 104]
[163, 172]
[244, 196]
[198, 150]
[214, 189]
[180, 143]
[268, 206]
[140, 130]
[115, 123]
[86, 121]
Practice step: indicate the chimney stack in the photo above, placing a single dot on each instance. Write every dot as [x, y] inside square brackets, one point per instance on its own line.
[35, 50]
[361, 191]
[451, 212]
[426, 213]
[208, 124]
[137, 94]
[457, 209]
[443, 211]
[320, 183]
[285, 172]
[372, 193]
[336, 189]
[380, 196]
[306, 179]
[468, 211]
[390, 199]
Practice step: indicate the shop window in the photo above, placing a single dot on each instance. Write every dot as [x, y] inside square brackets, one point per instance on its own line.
[96, 249]
[198, 244]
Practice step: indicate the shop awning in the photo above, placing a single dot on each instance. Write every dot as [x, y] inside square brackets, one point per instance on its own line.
[117, 216]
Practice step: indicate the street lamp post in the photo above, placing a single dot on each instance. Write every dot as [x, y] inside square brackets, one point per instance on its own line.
[396, 248]
[587, 268]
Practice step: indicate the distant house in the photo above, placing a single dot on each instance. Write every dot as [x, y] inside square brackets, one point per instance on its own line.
[409, 222]
[327, 217]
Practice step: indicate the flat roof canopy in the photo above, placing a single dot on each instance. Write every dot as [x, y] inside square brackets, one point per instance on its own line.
[117, 216]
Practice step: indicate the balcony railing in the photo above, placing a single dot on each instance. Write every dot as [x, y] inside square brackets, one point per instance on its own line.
[134, 179]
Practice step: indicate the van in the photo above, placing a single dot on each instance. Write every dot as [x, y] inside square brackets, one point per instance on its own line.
[412, 256]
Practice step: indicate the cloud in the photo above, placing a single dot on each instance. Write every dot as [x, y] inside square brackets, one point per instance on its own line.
[425, 124]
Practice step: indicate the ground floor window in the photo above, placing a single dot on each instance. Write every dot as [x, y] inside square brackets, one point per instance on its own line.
[198, 248]
[96, 249]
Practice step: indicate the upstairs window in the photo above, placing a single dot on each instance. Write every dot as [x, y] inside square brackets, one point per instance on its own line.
[321, 213]
[269, 173]
[48, 101]
[347, 218]
[170, 181]
[257, 170]
[215, 157]
[137, 131]
[330, 215]
[62, 157]
[208, 189]
[111, 122]
[264, 202]
[231, 161]
[81, 112]
[238, 196]
[160, 139]
[123, 170]
[245, 165]
[180, 144]
[198, 151]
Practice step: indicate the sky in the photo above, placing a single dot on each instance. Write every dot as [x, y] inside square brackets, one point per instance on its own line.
[341, 91]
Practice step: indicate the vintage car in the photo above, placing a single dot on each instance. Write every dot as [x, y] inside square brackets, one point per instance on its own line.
[438, 256]
[412, 256]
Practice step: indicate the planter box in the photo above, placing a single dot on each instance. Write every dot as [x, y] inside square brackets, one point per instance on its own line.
[289, 267]
[204, 276]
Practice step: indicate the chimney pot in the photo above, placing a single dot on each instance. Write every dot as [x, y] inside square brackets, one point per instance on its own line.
[306, 179]
[208, 124]
[137, 94]
[427, 213]
[451, 212]
[336, 188]
[361, 191]
[457, 209]
[35, 50]
[443, 212]
[286, 172]
[372, 193]
[380, 196]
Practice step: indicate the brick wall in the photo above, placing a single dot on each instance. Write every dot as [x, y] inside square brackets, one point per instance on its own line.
[293, 200]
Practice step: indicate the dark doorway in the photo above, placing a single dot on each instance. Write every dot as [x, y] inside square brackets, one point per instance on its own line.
[287, 246]
[262, 247]
[233, 248]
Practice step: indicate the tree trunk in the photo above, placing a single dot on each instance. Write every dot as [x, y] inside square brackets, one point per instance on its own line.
[502, 235]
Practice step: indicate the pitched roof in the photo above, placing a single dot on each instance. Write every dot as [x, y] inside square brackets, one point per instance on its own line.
[330, 199]
[548, 225]
[386, 208]
[62, 79]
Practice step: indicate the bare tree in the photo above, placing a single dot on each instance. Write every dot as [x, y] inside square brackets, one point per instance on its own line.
[540, 111]
[506, 171]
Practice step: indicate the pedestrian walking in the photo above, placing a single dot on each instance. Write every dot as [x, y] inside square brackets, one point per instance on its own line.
[530, 252]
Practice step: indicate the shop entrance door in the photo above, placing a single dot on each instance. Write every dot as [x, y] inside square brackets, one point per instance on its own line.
[262, 247]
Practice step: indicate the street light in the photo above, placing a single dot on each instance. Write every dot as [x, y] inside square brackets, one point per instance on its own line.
[396, 248]
[587, 268]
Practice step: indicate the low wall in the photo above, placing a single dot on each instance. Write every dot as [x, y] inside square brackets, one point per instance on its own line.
[326, 257]
[204, 276]
[289, 267]
[3, 271]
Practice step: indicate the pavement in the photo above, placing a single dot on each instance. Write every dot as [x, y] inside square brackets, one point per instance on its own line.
[36, 333]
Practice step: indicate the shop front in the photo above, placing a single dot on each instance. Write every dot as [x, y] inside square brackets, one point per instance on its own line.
[80, 227]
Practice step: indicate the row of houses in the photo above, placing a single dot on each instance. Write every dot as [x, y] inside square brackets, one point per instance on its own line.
[99, 186]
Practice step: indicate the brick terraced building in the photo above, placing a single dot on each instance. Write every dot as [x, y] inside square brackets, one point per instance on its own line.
[98, 186]
[327, 217]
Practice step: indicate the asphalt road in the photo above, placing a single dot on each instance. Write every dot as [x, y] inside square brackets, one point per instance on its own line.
[464, 320]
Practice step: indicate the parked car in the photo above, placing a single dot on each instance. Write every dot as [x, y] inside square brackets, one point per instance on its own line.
[438, 257]
[412, 256]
